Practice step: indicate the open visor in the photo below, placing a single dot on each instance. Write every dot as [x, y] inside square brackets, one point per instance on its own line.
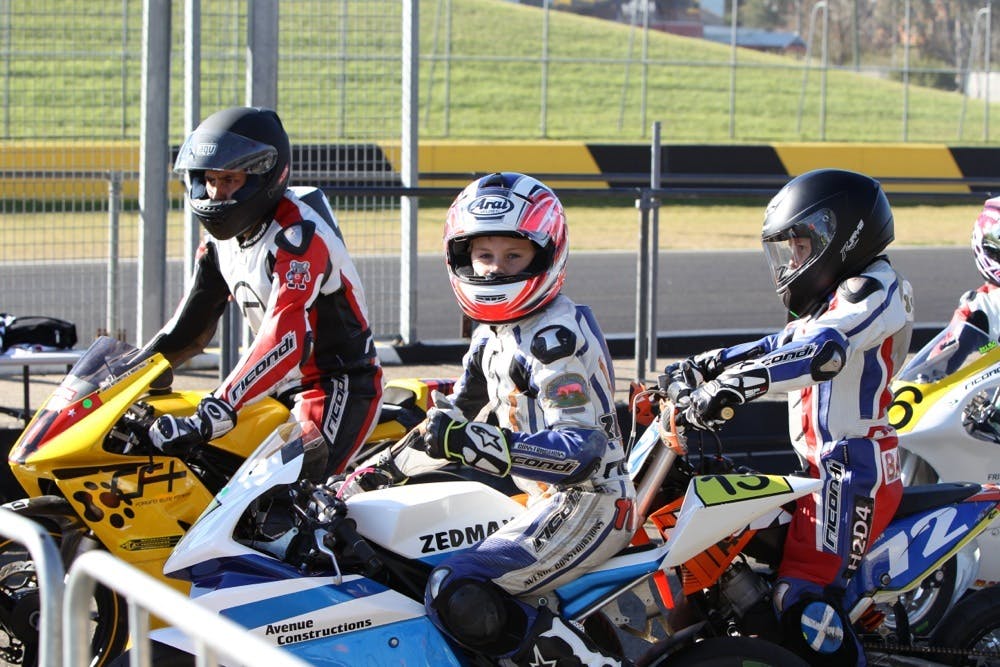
[224, 151]
[794, 248]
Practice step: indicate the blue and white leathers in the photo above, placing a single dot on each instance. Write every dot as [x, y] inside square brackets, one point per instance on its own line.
[548, 379]
[836, 367]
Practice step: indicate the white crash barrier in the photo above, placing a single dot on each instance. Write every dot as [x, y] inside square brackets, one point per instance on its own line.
[212, 634]
[49, 576]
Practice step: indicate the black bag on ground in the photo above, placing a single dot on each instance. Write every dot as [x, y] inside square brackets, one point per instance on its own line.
[36, 330]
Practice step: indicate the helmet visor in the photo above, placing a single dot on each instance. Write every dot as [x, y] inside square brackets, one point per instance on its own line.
[224, 151]
[791, 251]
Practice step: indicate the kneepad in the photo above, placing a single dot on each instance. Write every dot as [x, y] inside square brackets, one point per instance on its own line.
[475, 613]
[820, 632]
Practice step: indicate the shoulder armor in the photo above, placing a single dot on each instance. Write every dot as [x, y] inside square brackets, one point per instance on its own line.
[296, 237]
[968, 296]
[858, 288]
[553, 342]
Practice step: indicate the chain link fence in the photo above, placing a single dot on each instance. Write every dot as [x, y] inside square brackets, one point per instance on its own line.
[70, 87]
[490, 70]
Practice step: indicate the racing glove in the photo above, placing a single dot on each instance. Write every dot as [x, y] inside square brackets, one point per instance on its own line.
[708, 406]
[212, 419]
[476, 444]
[697, 370]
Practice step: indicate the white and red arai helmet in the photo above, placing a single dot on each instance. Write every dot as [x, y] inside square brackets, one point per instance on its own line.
[506, 204]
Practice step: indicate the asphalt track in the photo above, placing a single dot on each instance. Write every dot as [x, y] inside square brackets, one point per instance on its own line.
[696, 291]
[702, 290]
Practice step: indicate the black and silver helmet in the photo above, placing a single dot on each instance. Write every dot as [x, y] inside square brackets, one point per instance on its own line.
[250, 139]
[848, 221]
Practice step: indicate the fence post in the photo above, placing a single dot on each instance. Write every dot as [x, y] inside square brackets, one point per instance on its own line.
[644, 204]
[654, 244]
[114, 212]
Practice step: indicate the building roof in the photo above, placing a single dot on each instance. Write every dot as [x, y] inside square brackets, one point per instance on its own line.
[755, 38]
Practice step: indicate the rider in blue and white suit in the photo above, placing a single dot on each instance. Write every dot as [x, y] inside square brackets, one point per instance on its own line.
[851, 317]
[535, 401]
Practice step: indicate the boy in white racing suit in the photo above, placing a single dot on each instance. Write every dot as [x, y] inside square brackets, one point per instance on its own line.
[535, 401]
[823, 234]
[279, 254]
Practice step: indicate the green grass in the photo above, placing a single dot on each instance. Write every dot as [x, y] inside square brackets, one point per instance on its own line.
[66, 79]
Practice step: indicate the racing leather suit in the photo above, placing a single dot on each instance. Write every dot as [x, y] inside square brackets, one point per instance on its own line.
[548, 379]
[302, 297]
[981, 308]
[836, 366]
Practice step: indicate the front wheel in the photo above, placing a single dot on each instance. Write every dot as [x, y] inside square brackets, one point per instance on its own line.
[20, 604]
[972, 626]
[725, 652]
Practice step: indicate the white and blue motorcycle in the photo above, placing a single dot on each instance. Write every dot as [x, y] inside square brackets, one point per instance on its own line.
[341, 582]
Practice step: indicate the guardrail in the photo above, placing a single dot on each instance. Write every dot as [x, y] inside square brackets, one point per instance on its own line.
[212, 634]
[49, 579]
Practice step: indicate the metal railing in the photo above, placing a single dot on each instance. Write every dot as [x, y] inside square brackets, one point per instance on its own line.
[49, 578]
[212, 635]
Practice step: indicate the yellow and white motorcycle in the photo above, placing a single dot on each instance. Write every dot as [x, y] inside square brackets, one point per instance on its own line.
[945, 409]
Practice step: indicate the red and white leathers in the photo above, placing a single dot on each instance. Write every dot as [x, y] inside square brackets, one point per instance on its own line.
[836, 366]
[302, 297]
[981, 308]
[548, 379]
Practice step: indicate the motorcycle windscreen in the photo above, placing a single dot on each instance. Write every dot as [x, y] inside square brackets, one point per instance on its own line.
[955, 347]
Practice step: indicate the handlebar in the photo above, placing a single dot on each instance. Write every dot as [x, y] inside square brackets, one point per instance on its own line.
[330, 512]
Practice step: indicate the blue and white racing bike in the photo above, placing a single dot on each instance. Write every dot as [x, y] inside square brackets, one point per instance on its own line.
[341, 581]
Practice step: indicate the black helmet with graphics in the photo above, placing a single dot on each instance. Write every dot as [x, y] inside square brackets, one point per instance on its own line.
[249, 139]
[847, 220]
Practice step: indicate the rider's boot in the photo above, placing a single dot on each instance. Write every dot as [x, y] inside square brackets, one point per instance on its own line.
[815, 625]
[552, 641]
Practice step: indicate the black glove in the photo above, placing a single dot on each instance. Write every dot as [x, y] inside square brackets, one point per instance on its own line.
[477, 444]
[212, 419]
[697, 370]
[708, 408]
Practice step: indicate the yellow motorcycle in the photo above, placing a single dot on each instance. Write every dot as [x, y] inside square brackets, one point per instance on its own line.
[93, 479]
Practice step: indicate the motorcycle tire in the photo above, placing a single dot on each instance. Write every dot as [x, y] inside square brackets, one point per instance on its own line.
[927, 604]
[161, 655]
[725, 652]
[20, 601]
[972, 625]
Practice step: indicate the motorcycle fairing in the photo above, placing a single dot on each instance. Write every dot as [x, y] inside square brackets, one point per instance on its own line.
[953, 366]
[353, 622]
[912, 547]
[643, 448]
[278, 461]
[717, 505]
[614, 574]
[429, 522]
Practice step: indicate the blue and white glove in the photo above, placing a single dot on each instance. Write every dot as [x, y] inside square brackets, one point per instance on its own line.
[476, 444]
[212, 419]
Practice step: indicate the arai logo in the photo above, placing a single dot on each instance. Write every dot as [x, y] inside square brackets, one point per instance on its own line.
[490, 205]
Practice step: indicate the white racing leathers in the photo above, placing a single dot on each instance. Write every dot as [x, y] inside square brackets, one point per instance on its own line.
[836, 367]
[981, 308]
[548, 379]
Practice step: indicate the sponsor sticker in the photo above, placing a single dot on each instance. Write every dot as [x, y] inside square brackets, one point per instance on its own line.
[568, 390]
[723, 489]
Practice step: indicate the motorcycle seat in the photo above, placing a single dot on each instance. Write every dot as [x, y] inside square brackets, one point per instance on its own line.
[919, 498]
